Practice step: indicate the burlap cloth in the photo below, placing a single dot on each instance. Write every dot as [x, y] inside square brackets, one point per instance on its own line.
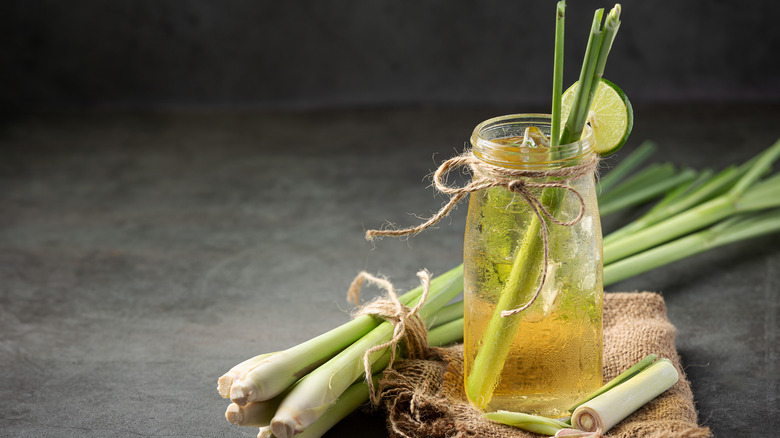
[425, 398]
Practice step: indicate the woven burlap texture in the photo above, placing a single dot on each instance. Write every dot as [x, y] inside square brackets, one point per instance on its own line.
[426, 399]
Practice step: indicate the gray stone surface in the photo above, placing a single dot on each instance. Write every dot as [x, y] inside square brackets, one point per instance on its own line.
[143, 254]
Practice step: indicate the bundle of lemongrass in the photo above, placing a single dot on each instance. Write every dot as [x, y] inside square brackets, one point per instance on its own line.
[308, 388]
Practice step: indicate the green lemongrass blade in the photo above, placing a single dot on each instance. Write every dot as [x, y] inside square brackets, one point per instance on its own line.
[622, 377]
[761, 196]
[446, 334]
[531, 423]
[679, 225]
[679, 195]
[448, 313]
[557, 92]
[275, 374]
[761, 165]
[647, 193]
[656, 257]
[320, 389]
[578, 113]
[765, 194]
[606, 410]
[652, 174]
[734, 229]
[611, 26]
[747, 227]
[626, 166]
[647, 218]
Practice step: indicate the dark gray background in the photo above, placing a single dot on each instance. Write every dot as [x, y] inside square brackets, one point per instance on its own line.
[184, 184]
[341, 53]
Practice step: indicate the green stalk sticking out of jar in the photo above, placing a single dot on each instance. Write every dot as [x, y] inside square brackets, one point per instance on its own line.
[529, 267]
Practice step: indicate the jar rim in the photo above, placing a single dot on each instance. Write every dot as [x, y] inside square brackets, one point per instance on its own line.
[485, 148]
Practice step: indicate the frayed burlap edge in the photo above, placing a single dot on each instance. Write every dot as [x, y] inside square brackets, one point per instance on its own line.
[426, 399]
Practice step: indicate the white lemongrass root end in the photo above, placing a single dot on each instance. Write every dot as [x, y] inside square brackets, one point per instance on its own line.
[223, 385]
[234, 415]
[242, 392]
[285, 426]
[588, 420]
[265, 432]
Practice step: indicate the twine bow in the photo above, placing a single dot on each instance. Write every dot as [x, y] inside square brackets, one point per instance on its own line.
[515, 180]
[407, 324]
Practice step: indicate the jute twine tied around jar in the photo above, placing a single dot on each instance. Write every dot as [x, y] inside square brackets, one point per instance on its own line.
[519, 181]
[426, 398]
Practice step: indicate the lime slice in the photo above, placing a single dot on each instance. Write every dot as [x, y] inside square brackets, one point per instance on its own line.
[611, 115]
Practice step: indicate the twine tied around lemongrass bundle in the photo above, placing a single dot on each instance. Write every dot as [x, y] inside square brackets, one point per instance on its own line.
[407, 324]
[519, 181]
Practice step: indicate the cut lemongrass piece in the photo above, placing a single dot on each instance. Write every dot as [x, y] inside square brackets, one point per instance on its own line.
[608, 409]
[624, 376]
[531, 423]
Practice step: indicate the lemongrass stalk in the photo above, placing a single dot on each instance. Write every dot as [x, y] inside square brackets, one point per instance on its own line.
[237, 372]
[672, 203]
[320, 389]
[265, 432]
[450, 312]
[682, 192]
[650, 175]
[729, 231]
[578, 113]
[557, 92]
[610, 29]
[621, 378]
[763, 195]
[647, 193]
[626, 166]
[276, 373]
[741, 198]
[608, 409]
[531, 423]
[448, 333]
[679, 202]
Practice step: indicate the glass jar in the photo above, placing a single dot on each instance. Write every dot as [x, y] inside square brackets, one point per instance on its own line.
[547, 357]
